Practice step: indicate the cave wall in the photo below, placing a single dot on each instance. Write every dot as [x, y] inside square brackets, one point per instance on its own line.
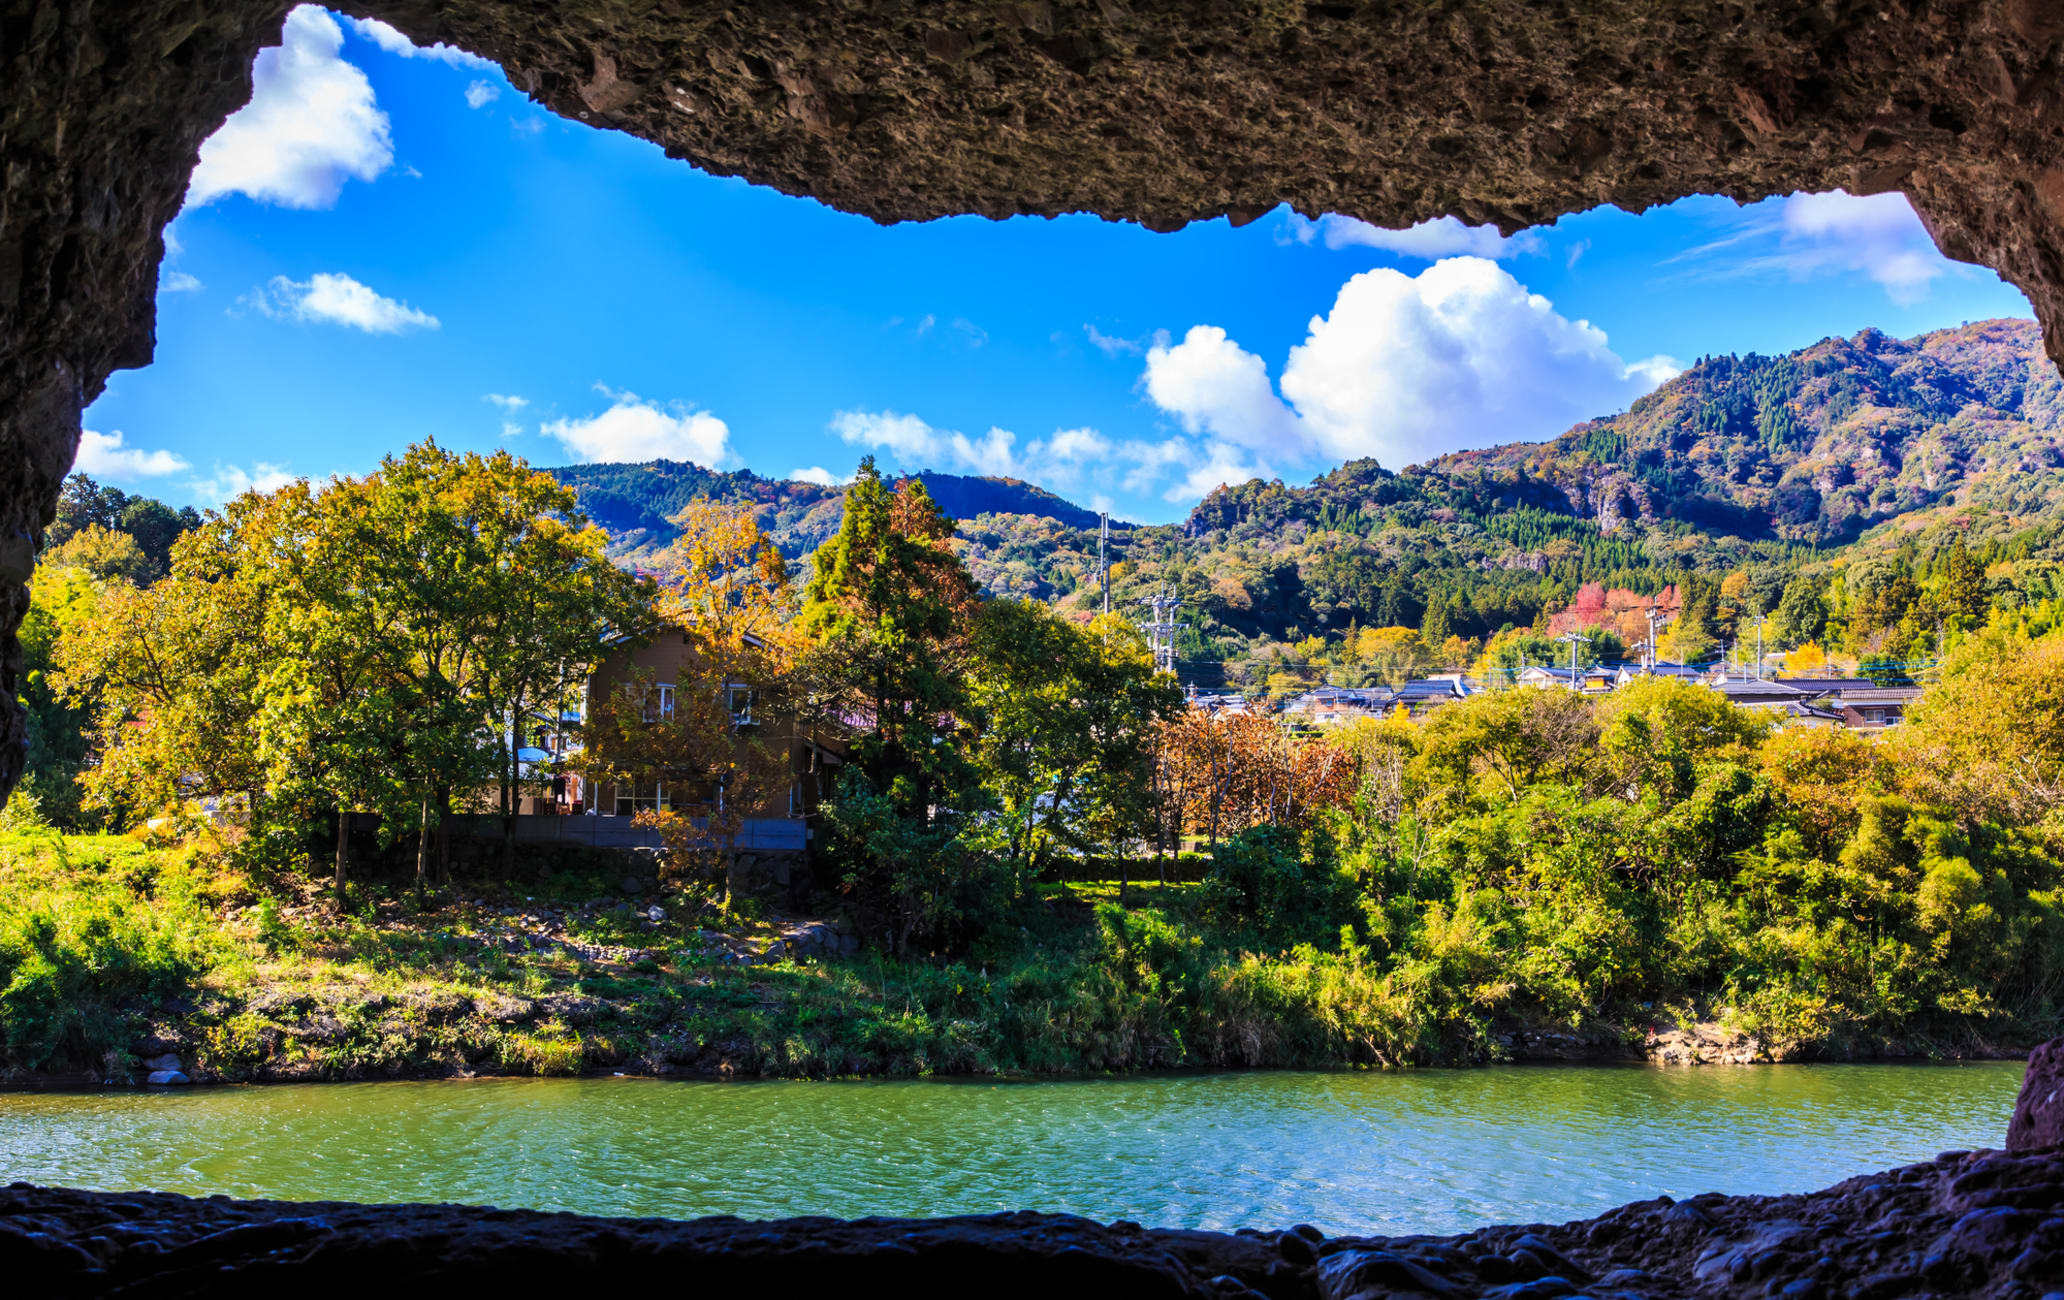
[1507, 111]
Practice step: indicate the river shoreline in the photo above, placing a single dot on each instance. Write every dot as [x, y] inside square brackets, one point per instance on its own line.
[1528, 1052]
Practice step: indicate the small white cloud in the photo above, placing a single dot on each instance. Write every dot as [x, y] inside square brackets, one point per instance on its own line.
[975, 335]
[1217, 465]
[1433, 239]
[393, 42]
[311, 125]
[511, 429]
[104, 455]
[1112, 345]
[1878, 235]
[1813, 236]
[917, 445]
[1216, 387]
[819, 475]
[1067, 460]
[1655, 371]
[1081, 462]
[924, 326]
[527, 126]
[636, 430]
[1577, 251]
[908, 438]
[507, 401]
[178, 282]
[482, 93]
[233, 480]
[337, 300]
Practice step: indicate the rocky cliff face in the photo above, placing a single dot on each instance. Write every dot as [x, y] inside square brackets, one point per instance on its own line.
[1492, 110]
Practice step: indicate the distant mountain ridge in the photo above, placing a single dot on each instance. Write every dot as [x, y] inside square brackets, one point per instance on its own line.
[634, 501]
[1752, 466]
[1817, 445]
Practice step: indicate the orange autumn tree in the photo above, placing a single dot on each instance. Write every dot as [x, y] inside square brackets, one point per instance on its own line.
[723, 586]
[1225, 773]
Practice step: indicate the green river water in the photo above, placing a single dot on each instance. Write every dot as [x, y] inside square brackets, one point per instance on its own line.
[1423, 1150]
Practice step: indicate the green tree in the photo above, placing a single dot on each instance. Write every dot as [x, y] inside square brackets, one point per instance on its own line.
[891, 606]
[1802, 613]
[1067, 719]
[62, 598]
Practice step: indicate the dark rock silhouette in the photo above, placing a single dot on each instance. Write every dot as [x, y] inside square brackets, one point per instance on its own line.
[1980, 1224]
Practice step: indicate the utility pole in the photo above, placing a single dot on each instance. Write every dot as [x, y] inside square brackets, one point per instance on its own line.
[1574, 638]
[1648, 649]
[1759, 647]
[1103, 555]
[1161, 628]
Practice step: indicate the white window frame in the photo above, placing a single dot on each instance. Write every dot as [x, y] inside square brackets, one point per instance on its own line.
[665, 711]
[627, 805]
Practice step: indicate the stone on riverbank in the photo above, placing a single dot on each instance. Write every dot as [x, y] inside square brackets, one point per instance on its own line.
[2039, 1115]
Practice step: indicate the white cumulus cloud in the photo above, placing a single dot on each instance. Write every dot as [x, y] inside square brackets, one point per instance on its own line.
[105, 455]
[234, 480]
[482, 93]
[507, 401]
[1216, 387]
[393, 42]
[1402, 368]
[337, 300]
[178, 282]
[311, 125]
[1432, 239]
[633, 429]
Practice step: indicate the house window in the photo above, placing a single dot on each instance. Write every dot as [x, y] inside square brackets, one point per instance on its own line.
[634, 797]
[659, 703]
[741, 702]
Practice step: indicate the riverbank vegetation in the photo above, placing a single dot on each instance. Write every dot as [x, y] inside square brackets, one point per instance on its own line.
[1525, 864]
[1521, 866]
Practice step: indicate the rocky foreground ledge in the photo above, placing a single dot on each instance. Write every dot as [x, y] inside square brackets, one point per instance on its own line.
[1967, 1224]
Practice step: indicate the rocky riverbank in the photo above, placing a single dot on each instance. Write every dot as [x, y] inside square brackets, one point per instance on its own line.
[1986, 1224]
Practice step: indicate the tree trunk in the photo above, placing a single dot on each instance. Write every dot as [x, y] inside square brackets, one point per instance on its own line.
[509, 805]
[422, 843]
[444, 836]
[1217, 797]
[343, 852]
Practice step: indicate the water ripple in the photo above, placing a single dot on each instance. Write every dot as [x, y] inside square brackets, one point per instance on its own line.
[1419, 1151]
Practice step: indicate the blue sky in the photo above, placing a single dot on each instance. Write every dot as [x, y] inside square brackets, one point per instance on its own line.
[393, 243]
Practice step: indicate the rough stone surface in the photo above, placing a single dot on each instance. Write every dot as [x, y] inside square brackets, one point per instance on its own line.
[1492, 110]
[2039, 1112]
[1979, 1224]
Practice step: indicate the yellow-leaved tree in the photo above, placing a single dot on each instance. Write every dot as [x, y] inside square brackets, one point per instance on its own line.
[721, 746]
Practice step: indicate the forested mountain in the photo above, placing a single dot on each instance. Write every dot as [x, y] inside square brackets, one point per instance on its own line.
[1855, 469]
[1817, 445]
[634, 501]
